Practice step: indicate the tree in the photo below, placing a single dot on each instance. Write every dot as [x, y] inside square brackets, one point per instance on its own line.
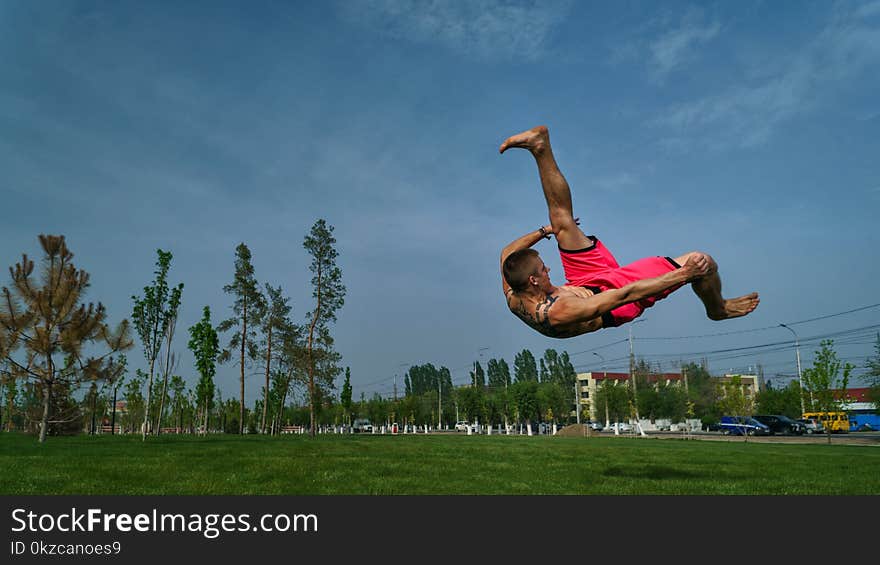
[152, 317]
[273, 324]
[785, 401]
[525, 398]
[555, 402]
[205, 346]
[612, 399]
[329, 294]
[345, 395]
[734, 400]
[178, 401]
[702, 392]
[478, 376]
[171, 361]
[10, 391]
[557, 368]
[122, 366]
[825, 382]
[524, 367]
[247, 310]
[498, 373]
[291, 362]
[471, 402]
[873, 366]
[134, 401]
[47, 319]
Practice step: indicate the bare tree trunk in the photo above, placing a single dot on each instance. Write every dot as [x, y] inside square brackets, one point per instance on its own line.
[113, 418]
[44, 423]
[147, 406]
[169, 362]
[310, 359]
[284, 397]
[243, 340]
[266, 390]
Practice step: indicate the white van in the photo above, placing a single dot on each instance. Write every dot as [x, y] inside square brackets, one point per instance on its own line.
[362, 425]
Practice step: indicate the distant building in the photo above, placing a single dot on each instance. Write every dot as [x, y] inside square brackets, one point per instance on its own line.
[750, 384]
[588, 385]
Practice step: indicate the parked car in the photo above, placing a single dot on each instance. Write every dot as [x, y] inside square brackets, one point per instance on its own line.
[743, 426]
[362, 425]
[595, 426]
[462, 426]
[622, 427]
[780, 424]
[811, 425]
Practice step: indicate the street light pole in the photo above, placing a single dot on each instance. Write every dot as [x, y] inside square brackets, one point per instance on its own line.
[480, 355]
[632, 368]
[632, 376]
[797, 349]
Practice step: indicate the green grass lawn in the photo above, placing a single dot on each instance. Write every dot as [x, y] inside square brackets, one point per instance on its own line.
[433, 464]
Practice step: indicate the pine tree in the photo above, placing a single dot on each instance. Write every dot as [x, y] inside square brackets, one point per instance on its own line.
[329, 294]
[47, 319]
[247, 312]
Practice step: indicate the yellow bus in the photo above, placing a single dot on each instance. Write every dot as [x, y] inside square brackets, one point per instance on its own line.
[837, 422]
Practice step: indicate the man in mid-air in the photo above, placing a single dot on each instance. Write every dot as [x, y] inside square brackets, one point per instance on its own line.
[598, 292]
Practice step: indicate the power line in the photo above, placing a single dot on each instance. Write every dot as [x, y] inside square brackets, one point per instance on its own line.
[760, 329]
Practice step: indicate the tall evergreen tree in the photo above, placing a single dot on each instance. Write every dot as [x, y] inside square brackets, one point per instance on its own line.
[152, 316]
[329, 294]
[247, 311]
[205, 346]
[46, 317]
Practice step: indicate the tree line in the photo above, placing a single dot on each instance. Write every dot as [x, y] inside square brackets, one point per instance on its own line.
[46, 330]
[53, 346]
[542, 390]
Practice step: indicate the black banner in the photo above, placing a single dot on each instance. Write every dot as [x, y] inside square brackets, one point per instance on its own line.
[226, 529]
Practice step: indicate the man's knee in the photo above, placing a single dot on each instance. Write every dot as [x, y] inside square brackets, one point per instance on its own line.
[713, 266]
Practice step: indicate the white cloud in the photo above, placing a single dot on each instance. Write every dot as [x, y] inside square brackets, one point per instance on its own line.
[747, 113]
[618, 182]
[485, 29]
[678, 46]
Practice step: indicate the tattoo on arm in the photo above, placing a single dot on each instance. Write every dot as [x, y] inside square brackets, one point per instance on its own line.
[540, 318]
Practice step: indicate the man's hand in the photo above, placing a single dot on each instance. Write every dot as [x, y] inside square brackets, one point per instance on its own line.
[696, 266]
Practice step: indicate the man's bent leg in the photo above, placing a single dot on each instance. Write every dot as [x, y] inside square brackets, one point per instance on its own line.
[708, 289]
[556, 190]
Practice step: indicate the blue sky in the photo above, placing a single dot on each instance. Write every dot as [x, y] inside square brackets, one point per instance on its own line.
[747, 130]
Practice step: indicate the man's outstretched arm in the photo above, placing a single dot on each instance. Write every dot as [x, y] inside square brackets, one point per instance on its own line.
[573, 310]
[523, 242]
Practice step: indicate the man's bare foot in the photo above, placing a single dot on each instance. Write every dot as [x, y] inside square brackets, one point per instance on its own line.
[534, 140]
[736, 307]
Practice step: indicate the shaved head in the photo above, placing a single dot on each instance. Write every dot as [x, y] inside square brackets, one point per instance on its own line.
[519, 266]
